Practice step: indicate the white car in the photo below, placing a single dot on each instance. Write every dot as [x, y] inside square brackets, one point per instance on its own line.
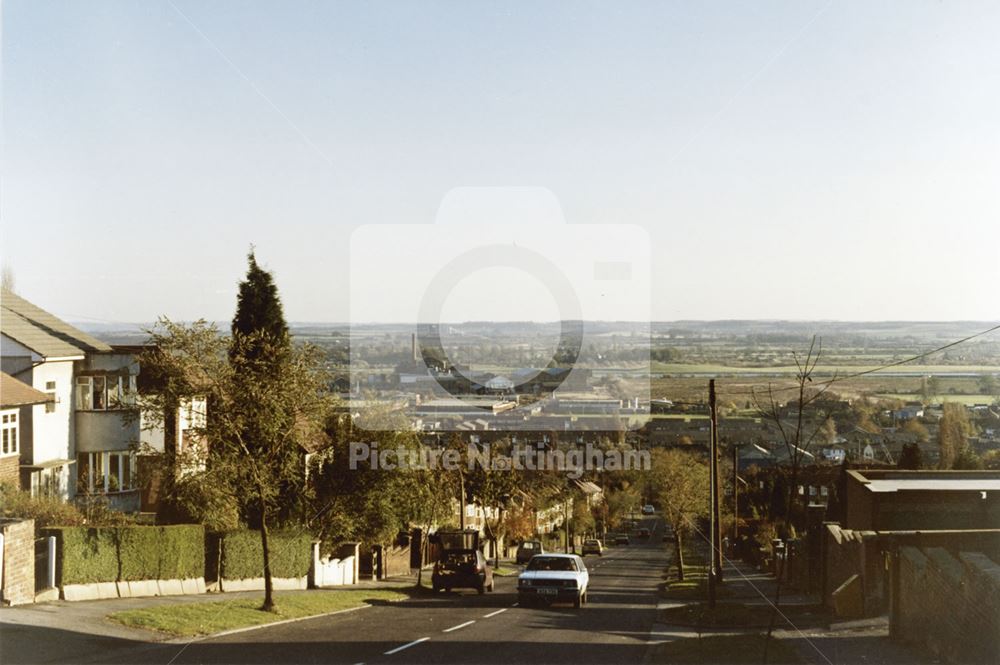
[553, 578]
[648, 509]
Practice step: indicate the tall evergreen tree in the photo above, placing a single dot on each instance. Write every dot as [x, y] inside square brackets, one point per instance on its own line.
[259, 320]
[911, 457]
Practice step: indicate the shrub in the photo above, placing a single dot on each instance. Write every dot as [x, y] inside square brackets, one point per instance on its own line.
[86, 555]
[89, 555]
[243, 556]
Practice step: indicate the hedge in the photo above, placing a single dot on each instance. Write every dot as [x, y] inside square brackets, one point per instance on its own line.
[243, 556]
[130, 553]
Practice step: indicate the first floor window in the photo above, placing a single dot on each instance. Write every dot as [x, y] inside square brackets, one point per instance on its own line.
[8, 433]
[103, 392]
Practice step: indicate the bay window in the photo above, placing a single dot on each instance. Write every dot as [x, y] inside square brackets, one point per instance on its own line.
[106, 472]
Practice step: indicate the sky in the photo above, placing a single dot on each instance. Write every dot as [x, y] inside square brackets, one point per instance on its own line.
[791, 160]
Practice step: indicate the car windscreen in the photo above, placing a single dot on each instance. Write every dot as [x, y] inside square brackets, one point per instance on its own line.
[457, 558]
[552, 563]
[527, 546]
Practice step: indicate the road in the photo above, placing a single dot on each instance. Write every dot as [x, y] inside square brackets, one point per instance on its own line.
[460, 627]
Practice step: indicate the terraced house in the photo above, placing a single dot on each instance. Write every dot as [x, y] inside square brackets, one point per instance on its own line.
[79, 439]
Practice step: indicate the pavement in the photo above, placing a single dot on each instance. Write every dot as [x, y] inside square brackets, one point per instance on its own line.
[457, 627]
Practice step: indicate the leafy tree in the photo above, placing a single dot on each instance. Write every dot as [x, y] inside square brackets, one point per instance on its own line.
[263, 405]
[967, 460]
[918, 429]
[911, 457]
[953, 430]
[681, 484]
[492, 488]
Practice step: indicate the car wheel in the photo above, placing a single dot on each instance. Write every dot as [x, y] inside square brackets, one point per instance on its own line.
[437, 588]
[480, 589]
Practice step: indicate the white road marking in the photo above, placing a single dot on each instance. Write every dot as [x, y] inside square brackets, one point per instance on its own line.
[493, 614]
[405, 646]
[514, 605]
[461, 625]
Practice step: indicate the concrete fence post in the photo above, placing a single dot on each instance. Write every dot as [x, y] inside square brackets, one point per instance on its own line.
[316, 569]
[50, 579]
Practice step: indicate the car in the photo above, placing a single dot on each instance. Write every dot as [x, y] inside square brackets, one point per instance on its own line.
[528, 549]
[592, 546]
[642, 533]
[462, 569]
[648, 509]
[553, 578]
[621, 539]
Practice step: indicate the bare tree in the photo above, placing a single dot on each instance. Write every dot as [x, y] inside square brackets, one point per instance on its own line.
[7, 279]
[799, 434]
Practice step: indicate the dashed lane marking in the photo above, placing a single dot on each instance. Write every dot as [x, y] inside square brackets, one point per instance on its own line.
[461, 625]
[405, 646]
[493, 614]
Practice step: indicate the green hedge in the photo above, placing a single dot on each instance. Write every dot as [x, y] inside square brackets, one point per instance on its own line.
[129, 553]
[243, 557]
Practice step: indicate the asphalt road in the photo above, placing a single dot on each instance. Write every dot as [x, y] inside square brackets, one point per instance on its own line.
[459, 627]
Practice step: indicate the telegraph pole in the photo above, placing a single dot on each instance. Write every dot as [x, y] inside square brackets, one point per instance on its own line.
[736, 493]
[715, 567]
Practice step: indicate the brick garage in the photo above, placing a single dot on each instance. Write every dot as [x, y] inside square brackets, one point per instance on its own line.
[18, 584]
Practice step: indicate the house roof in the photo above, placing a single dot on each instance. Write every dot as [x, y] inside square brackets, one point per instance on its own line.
[43, 333]
[19, 393]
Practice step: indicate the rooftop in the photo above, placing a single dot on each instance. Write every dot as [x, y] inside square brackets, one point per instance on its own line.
[43, 333]
[18, 393]
[926, 481]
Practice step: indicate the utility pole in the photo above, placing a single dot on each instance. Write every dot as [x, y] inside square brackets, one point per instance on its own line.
[715, 565]
[736, 493]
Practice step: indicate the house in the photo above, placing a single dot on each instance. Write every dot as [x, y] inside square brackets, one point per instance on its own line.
[82, 438]
[16, 401]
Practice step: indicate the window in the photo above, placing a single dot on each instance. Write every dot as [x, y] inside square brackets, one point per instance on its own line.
[104, 392]
[8, 433]
[106, 472]
[50, 390]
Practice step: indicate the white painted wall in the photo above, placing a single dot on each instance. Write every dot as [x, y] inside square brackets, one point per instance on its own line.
[52, 433]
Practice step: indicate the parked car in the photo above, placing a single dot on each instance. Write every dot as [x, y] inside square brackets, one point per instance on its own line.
[648, 509]
[462, 569]
[621, 539]
[642, 533]
[553, 578]
[528, 549]
[592, 546]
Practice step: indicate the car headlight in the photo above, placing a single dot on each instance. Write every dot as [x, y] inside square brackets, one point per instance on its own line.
[524, 582]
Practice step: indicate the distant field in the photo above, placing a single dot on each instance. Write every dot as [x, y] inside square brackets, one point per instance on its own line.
[961, 399]
[917, 370]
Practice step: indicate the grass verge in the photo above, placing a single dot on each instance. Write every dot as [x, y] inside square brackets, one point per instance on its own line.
[734, 649]
[505, 572]
[206, 618]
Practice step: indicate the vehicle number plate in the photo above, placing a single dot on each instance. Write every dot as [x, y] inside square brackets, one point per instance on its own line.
[547, 591]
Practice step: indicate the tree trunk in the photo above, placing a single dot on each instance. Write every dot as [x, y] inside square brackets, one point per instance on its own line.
[423, 553]
[268, 583]
[679, 555]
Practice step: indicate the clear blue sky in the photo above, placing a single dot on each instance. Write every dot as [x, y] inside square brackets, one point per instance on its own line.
[788, 160]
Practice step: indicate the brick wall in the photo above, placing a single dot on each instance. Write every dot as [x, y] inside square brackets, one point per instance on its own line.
[10, 470]
[18, 585]
[947, 604]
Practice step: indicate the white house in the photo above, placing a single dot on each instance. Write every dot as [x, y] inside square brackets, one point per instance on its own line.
[81, 439]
